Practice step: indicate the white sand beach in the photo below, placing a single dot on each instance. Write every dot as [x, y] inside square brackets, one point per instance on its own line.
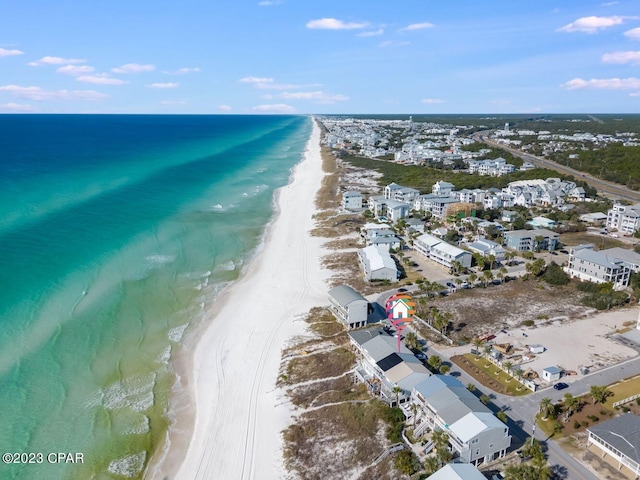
[239, 412]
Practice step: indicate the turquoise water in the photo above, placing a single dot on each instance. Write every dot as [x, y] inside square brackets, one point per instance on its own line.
[116, 232]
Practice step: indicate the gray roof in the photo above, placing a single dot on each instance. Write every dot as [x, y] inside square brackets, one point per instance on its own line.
[531, 233]
[450, 398]
[344, 295]
[598, 258]
[362, 336]
[458, 471]
[552, 370]
[623, 254]
[622, 433]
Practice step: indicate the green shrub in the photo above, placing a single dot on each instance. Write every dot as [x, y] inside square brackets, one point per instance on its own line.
[576, 424]
[554, 275]
[528, 323]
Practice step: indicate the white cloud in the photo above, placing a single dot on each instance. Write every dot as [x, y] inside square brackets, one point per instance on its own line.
[610, 4]
[133, 68]
[269, 84]
[274, 108]
[634, 94]
[418, 26]
[75, 69]
[9, 53]
[256, 80]
[622, 57]
[390, 43]
[163, 85]
[318, 96]
[269, 3]
[432, 101]
[183, 71]
[371, 33]
[631, 83]
[633, 34]
[173, 102]
[38, 94]
[100, 79]
[56, 61]
[335, 24]
[591, 24]
[17, 107]
[224, 108]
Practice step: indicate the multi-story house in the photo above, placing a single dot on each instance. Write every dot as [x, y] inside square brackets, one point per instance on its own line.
[589, 265]
[441, 252]
[624, 218]
[352, 200]
[475, 434]
[531, 240]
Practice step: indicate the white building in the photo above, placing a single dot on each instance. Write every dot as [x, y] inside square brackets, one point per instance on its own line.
[378, 264]
[619, 438]
[352, 200]
[391, 209]
[441, 252]
[443, 188]
[598, 267]
[486, 248]
[383, 367]
[458, 471]
[475, 434]
[348, 306]
[624, 218]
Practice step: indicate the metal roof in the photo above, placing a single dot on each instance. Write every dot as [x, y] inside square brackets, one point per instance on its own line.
[344, 295]
[622, 433]
[458, 471]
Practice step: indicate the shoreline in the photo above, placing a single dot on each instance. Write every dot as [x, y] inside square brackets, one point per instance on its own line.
[231, 416]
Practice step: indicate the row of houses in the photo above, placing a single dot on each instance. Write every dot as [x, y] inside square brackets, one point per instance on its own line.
[438, 402]
[397, 200]
[441, 252]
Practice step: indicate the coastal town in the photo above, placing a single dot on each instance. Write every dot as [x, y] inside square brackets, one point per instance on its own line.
[506, 354]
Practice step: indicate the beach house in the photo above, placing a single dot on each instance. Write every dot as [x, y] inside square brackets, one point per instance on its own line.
[598, 267]
[531, 240]
[618, 438]
[352, 200]
[475, 434]
[624, 218]
[441, 252]
[348, 306]
[389, 374]
[377, 263]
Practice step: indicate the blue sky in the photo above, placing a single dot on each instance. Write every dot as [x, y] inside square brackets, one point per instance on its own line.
[329, 56]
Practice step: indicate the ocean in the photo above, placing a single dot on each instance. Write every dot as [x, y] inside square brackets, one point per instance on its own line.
[116, 234]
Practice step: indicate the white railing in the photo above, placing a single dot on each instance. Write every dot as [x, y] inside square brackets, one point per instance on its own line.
[626, 400]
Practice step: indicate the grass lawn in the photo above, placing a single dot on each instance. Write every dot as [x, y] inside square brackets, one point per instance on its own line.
[601, 242]
[489, 375]
[624, 389]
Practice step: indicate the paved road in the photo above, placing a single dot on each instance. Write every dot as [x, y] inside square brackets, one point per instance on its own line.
[611, 190]
[522, 410]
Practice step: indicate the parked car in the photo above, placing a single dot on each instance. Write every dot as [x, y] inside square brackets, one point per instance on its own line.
[464, 284]
[560, 386]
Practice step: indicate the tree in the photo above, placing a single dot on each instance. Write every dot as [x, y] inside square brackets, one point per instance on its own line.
[508, 366]
[487, 276]
[491, 259]
[555, 275]
[472, 278]
[503, 271]
[502, 416]
[485, 399]
[536, 267]
[411, 341]
[397, 390]
[440, 440]
[431, 465]
[547, 408]
[600, 393]
[444, 369]
[406, 462]
[537, 242]
[570, 404]
[434, 362]
[477, 345]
